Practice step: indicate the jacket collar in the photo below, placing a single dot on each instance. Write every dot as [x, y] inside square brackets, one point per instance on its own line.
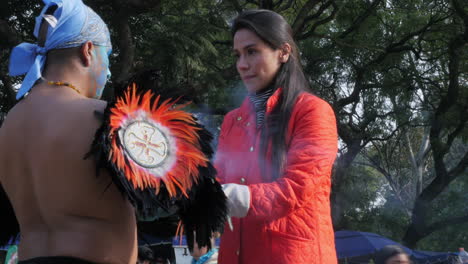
[248, 107]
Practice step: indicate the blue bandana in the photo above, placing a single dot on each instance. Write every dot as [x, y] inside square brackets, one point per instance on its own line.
[72, 24]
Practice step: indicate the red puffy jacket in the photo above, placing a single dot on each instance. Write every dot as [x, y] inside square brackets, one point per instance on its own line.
[289, 220]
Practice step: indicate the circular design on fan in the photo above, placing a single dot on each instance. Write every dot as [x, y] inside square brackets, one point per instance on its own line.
[145, 144]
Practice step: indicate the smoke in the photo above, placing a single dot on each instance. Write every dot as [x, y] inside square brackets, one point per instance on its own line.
[212, 117]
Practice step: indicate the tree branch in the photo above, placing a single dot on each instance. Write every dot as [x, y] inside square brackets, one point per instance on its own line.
[391, 181]
[418, 228]
[8, 37]
[9, 93]
[459, 168]
[253, 2]
[277, 3]
[391, 48]
[286, 6]
[266, 4]
[323, 21]
[136, 7]
[236, 5]
[132, 7]
[126, 51]
[222, 42]
[459, 129]
[354, 96]
[319, 12]
[444, 223]
[299, 22]
[460, 12]
[369, 139]
[360, 19]
[412, 157]
[340, 171]
[449, 100]
[126, 46]
[346, 44]
[424, 148]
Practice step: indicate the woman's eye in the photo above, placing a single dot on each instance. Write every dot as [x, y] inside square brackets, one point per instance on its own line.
[251, 52]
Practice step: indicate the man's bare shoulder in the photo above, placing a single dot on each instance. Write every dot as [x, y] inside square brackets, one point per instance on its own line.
[81, 118]
[54, 119]
[85, 106]
[96, 103]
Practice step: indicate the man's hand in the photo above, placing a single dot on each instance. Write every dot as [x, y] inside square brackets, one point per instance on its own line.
[199, 252]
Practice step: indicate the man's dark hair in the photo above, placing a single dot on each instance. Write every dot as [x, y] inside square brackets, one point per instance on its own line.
[3, 255]
[145, 253]
[387, 252]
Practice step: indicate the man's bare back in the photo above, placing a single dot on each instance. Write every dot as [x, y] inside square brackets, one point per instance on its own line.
[62, 207]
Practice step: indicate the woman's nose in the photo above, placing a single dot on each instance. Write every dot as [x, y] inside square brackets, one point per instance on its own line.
[242, 64]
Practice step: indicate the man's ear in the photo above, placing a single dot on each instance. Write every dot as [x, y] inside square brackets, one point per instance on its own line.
[285, 51]
[87, 53]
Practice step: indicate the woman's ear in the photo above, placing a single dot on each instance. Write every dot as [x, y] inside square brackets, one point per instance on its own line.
[285, 51]
[86, 53]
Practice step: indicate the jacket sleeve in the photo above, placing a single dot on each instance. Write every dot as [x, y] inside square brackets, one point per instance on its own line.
[219, 158]
[312, 151]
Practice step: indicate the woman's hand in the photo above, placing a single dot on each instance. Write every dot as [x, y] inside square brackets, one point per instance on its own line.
[238, 199]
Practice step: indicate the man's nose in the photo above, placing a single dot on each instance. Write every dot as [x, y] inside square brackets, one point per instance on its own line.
[109, 74]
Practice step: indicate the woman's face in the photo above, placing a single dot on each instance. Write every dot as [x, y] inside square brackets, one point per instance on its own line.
[398, 259]
[257, 63]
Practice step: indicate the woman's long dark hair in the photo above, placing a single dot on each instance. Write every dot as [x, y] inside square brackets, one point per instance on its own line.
[275, 31]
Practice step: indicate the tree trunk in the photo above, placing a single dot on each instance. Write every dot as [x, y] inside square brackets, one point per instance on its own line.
[441, 139]
[418, 159]
[341, 169]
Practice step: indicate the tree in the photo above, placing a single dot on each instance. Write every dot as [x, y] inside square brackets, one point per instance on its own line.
[15, 25]
[394, 71]
[447, 124]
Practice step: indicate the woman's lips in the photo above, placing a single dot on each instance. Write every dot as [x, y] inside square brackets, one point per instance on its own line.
[248, 77]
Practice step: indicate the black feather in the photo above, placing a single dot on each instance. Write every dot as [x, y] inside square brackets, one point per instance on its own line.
[204, 211]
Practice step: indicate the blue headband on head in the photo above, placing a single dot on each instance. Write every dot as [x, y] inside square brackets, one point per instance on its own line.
[72, 24]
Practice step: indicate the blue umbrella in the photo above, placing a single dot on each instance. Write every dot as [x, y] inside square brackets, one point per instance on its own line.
[354, 243]
[434, 257]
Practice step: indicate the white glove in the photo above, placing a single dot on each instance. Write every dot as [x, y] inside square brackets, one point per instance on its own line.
[238, 199]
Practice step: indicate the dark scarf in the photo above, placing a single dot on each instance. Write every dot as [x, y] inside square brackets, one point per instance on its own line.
[259, 100]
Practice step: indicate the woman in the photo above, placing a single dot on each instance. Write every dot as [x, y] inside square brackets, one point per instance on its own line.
[275, 153]
[392, 254]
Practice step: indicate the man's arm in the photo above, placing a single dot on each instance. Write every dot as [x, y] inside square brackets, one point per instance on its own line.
[9, 227]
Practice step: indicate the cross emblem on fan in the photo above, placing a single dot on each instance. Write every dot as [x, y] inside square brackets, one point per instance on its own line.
[145, 144]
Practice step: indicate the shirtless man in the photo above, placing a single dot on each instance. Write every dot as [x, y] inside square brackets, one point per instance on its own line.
[65, 212]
